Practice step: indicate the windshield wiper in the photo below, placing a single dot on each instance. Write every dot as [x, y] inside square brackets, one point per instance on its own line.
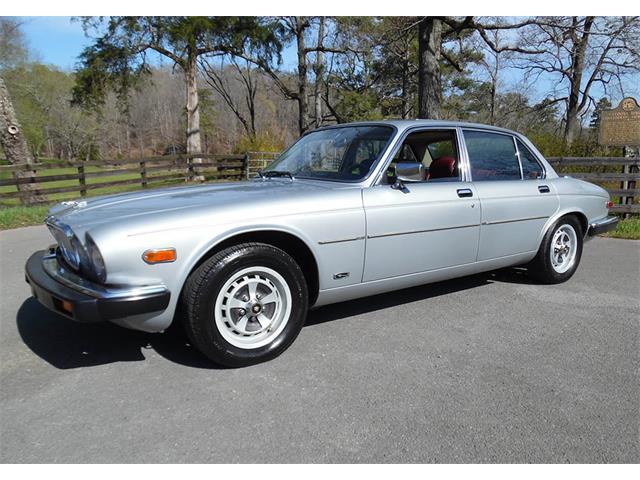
[275, 173]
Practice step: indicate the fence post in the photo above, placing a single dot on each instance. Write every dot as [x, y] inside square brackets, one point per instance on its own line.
[83, 181]
[143, 174]
[245, 165]
[628, 184]
[190, 169]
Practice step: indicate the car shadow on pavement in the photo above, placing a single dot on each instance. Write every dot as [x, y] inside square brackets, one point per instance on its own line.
[66, 344]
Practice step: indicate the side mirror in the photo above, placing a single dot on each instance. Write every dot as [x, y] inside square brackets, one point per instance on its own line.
[410, 172]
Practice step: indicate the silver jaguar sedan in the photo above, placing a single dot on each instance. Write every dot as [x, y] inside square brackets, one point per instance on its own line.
[347, 211]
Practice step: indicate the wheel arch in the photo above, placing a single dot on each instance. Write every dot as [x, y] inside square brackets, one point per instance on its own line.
[579, 214]
[290, 243]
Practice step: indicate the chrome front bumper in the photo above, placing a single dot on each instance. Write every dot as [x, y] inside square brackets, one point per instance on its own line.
[602, 226]
[65, 292]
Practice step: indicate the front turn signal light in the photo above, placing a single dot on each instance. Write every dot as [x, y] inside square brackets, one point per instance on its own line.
[159, 255]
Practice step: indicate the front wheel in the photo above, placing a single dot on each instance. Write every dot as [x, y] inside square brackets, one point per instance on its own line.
[244, 305]
[560, 252]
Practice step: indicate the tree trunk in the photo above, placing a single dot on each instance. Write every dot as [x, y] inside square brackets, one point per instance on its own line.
[193, 107]
[303, 106]
[578, 51]
[15, 146]
[319, 73]
[494, 86]
[429, 86]
[404, 103]
[193, 114]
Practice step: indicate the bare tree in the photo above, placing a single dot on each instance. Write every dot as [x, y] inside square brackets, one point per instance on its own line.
[217, 79]
[580, 53]
[13, 45]
[296, 29]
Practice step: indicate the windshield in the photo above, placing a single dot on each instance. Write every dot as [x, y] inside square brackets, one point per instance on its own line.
[344, 153]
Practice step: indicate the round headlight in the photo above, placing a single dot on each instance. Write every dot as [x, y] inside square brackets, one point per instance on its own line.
[96, 262]
[72, 252]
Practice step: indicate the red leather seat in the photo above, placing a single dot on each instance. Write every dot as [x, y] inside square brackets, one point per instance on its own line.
[443, 167]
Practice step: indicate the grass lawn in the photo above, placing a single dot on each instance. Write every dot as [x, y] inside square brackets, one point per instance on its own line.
[629, 228]
[14, 217]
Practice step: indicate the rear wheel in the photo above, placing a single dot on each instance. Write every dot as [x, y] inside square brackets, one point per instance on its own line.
[560, 252]
[245, 305]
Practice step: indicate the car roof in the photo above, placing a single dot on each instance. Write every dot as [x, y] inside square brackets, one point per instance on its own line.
[402, 125]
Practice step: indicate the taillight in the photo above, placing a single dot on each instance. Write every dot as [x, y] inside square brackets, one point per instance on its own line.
[609, 204]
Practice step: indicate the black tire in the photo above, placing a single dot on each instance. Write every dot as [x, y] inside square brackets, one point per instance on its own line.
[203, 286]
[541, 267]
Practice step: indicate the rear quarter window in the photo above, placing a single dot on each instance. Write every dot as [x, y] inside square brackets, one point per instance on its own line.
[531, 168]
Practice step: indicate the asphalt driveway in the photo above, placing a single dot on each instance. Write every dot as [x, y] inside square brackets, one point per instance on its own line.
[490, 368]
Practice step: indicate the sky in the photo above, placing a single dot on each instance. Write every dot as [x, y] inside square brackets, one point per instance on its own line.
[59, 41]
[55, 40]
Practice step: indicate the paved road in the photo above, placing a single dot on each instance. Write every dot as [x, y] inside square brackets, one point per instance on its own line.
[490, 368]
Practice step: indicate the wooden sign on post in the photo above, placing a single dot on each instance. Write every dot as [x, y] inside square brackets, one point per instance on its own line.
[621, 127]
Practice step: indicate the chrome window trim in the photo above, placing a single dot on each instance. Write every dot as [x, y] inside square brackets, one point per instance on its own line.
[515, 146]
[494, 132]
[393, 150]
[535, 157]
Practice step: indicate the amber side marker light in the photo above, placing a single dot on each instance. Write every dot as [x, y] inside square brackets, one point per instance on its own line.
[160, 255]
[67, 306]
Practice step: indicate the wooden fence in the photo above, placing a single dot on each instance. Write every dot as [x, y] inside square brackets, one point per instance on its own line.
[621, 185]
[112, 175]
[98, 177]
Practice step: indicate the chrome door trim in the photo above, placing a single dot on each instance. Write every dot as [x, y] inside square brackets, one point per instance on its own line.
[513, 221]
[411, 232]
[341, 240]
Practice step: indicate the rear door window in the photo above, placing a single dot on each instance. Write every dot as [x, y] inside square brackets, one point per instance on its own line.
[492, 156]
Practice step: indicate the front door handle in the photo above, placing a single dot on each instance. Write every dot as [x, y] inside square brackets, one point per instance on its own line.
[464, 192]
[543, 189]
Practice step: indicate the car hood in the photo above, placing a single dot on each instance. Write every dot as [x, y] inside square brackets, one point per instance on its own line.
[189, 201]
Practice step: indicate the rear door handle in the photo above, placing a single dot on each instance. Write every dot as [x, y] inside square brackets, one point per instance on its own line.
[464, 192]
[543, 189]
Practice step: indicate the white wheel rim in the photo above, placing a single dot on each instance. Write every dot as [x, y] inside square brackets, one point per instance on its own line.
[564, 246]
[253, 307]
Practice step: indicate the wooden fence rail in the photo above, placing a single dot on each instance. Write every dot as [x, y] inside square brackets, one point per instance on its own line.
[88, 177]
[47, 182]
[621, 185]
